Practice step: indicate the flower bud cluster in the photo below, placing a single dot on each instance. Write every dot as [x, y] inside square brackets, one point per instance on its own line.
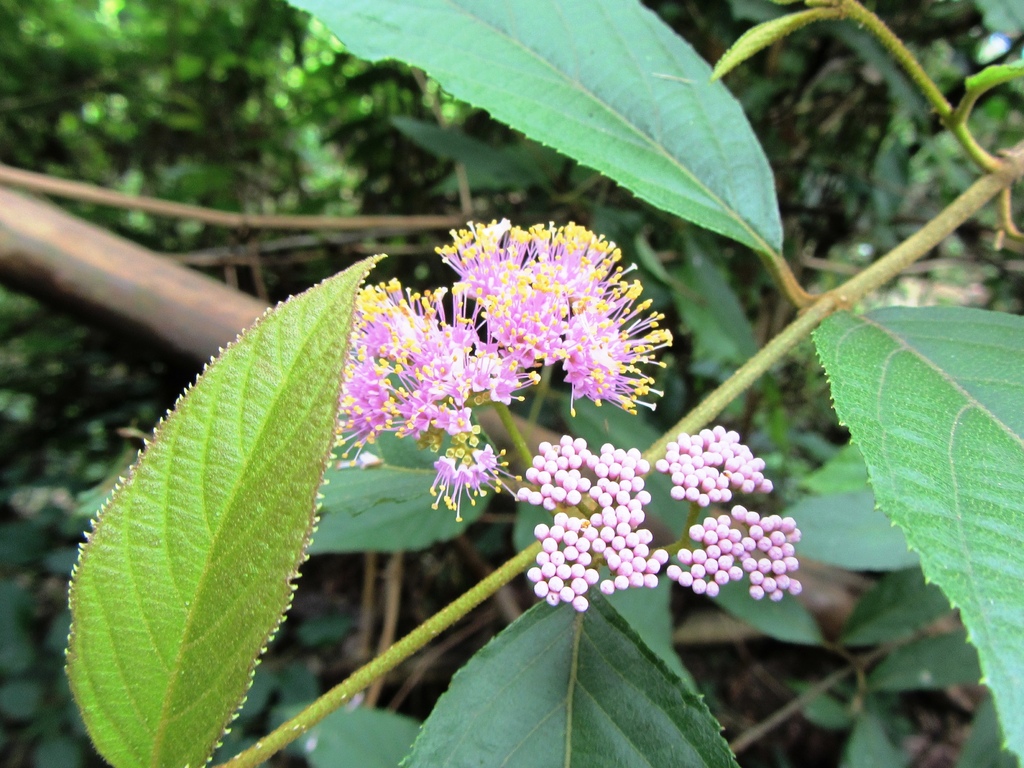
[563, 572]
[705, 468]
[743, 544]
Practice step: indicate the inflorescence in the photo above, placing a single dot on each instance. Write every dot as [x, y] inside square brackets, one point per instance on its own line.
[420, 362]
[726, 548]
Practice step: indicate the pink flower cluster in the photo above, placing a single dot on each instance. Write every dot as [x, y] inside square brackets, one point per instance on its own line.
[419, 363]
[563, 572]
[693, 462]
[730, 547]
[704, 468]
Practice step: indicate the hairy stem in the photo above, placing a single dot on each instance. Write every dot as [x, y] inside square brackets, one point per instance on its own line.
[778, 269]
[380, 666]
[954, 120]
[513, 432]
[854, 289]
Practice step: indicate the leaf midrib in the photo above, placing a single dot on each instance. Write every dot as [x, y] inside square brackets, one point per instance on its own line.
[228, 505]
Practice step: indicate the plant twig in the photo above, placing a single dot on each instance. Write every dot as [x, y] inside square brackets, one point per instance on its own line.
[954, 120]
[847, 294]
[513, 432]
[392, 604]
[48, 185]
[1007, 227]
[291, 730]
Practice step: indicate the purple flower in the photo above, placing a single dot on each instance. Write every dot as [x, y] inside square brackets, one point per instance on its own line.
[558, 295]
[420, 362]
[462, 472]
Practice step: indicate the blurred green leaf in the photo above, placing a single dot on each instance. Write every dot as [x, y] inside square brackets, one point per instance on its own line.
[296, 684]
[846, 529]
[57, 752]
[20, 699]
[844, 473]
[360, 738]
[934, 398]
[189, 567]
[928, 664]
[606, 82]
[16, 645]
[1006, 16]
[896, 607]
[385, 505]
[487, 167]
[560, 688]
[719, 325]
[22, 542]
[325, 630]
[869, 746]
[828, 712]
[786, 620]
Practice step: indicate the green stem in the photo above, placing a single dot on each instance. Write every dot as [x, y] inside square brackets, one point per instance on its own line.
[954, 120]
[513, 432]
[782, 275]
[380, 666]
[854, 10]
[543, 390]
[854, 289]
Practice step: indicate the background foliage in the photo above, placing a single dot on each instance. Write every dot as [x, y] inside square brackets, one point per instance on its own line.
[250, 106]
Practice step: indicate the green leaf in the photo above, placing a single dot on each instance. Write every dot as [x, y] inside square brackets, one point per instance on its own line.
[829, 713]
[16, 647]
[189, 567]
[385, 506]
[992, 76]
[362, 738]
[487, 167]
[603, 81]
[928, 664]
[869, 746]
[843, 473]
[648, 613]
[786, 620]
[721, 330]
[1006, 16]
[846, 529]
[560, 688]
[934, 398]
[760, 37]
[896, 607]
